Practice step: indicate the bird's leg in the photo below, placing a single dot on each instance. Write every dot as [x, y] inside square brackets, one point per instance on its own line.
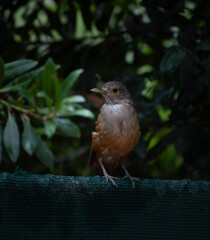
[106, 175]
[127, 175]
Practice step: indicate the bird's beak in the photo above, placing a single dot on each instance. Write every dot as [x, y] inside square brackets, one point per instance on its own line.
[96, 90]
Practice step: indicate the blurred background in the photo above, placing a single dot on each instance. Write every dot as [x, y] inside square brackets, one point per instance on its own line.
[159, 49]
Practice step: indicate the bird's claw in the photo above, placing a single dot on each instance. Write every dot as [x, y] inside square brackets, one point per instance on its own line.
[131, 178]
[108, 177]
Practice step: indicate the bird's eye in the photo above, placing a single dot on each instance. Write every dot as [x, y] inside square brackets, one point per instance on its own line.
[115, 90]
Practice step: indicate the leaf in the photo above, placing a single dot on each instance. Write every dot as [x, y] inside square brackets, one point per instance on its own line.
[48, 100]
[15, 87]
[25, 77]
[1, 140]
[16, 68]
[12, 138]
[47, 80]
[51, 84]
[69, 82]
[67, 127]
[204, 45]
[50, 128]
[164, 114]
[172, 60]
[83, 113]
[41, 94]
[73, 99]
[29, 137]
[43, 153]
[2, 71]
[28, 96]
[67, 111]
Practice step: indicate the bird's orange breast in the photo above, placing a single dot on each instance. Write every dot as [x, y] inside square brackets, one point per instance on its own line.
[114, 142]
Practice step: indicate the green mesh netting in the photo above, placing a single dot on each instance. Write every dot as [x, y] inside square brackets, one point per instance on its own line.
[57, 207]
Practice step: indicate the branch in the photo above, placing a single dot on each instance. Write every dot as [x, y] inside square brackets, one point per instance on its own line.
[29, 112]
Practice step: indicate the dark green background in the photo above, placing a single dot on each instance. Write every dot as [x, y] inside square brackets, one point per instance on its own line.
[159, 49]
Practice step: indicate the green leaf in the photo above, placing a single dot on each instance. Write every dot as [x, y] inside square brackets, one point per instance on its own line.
[50, 128]
[149, 89]
[51, 83]
[69, 83]
[43, 153]
[47, 80]
[29, 137]
[15, 87]
[69, 110]
[164, 114]
[16, 68]
[1, 141]
[67, 127]
[2, 71]
[41, 94]
[73, 99]
[48, 100]
[25, 77]
[28, 96]
[172, 59]
[82, 113]
[12, 138]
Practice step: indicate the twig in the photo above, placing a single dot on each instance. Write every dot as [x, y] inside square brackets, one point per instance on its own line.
[29, 112]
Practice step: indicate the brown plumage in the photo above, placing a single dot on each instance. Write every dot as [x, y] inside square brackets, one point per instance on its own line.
[117, 130]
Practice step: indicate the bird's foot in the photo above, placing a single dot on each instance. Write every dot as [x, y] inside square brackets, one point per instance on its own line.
[127, 175]
[108, 177]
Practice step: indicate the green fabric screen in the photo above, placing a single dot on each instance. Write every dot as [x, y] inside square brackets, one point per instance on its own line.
[57, 207]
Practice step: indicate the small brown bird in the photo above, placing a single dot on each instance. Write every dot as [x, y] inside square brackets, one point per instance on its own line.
[117, 131]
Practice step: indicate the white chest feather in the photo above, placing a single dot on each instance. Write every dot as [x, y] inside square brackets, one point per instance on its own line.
[118, 117]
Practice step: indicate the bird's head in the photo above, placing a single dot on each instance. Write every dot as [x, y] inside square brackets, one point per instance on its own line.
[114, 92]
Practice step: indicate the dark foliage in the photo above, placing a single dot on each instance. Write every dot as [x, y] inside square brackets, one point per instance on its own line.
[159, 49]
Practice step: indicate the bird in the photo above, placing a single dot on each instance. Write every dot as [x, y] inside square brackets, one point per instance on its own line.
[117, 131]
